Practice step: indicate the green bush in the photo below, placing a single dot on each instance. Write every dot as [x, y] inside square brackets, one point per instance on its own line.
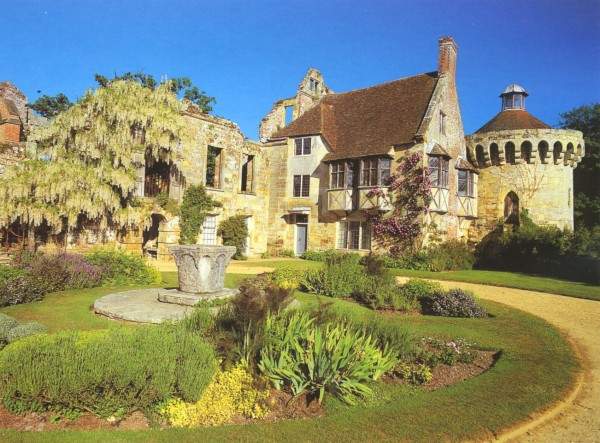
[337, 278]
[543, 250]
[417, 289]
[336, 358]
[9, 272]
[195, 206]
[105, 372]
[170, 205]
[382, 292]
[234, 232]
[325, 255]
[122, 268]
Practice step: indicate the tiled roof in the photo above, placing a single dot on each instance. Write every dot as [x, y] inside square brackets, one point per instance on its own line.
[367, 121]
[512, 119]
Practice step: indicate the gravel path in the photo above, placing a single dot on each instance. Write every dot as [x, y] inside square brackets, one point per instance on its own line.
[580, 320]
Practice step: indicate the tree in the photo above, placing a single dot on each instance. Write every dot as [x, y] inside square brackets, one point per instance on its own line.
[85, 167]
[50, 106]
[181, 86]
[586, 177]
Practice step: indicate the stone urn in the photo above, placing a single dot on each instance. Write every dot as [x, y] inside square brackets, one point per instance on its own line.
[201, 273]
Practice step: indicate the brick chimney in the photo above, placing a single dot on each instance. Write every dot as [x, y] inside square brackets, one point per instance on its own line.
[447, 57]
[10, 123]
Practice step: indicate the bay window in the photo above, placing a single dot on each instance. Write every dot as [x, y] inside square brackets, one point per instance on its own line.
[466, 186]
[342, 174]
[438, 171]
[302, 146]
[375, 171]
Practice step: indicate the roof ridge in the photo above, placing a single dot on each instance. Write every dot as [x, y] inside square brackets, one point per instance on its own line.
[378, 85]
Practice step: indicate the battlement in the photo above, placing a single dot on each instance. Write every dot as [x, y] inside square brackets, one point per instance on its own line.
[561, 147]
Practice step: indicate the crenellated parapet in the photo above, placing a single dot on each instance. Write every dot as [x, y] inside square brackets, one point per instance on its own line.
[561, 147]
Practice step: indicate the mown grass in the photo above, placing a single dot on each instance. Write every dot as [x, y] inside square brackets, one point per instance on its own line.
[492, 278]
[536, 367]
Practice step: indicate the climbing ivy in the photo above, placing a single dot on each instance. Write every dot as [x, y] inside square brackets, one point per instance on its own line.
[401, 228]
[195, 206]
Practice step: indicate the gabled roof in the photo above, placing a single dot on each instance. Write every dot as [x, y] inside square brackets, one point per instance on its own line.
[511, 119]
[367, 121]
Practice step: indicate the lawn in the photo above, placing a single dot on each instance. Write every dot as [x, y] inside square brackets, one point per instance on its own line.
[493, 278]
[536, 367]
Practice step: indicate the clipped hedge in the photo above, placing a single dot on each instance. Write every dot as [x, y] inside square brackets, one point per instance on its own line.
[106, 372]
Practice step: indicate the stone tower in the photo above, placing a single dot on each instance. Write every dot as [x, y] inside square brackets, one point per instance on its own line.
[523, 164]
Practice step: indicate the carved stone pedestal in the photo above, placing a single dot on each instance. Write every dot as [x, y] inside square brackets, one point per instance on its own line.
[201, 274]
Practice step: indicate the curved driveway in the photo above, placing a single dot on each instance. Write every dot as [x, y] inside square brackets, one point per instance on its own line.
[579, 319]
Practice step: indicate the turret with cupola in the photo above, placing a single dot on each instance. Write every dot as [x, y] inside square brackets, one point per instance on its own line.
[524, 164]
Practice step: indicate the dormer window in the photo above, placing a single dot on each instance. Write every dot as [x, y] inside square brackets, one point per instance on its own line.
[303, 146]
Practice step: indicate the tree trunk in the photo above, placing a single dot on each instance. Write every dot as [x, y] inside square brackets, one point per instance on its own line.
[31, 237]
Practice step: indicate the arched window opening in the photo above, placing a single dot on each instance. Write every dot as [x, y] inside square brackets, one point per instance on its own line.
[526, 151]
[494, 154]
[543, 151]
[557, 151]
[569, 153]
[480, 155]
[509, 150]
[579, 151]
[470, 155]
[511, 208]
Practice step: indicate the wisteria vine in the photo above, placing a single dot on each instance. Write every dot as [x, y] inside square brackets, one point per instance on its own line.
[400, 228]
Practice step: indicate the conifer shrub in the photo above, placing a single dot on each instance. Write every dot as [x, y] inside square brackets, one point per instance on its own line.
[106, 372]
[234, 232]
[195, 206]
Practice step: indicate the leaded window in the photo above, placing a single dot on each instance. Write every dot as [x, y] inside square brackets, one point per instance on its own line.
[303, 146]
[301, 185]
[438, 171]
[354, 235]
[209, 230]
[466, 186]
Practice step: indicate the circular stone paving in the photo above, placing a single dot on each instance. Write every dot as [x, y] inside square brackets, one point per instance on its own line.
[139, 305]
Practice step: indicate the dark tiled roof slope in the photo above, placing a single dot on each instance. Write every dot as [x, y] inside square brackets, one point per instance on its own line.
[367, 121]
[512, 119]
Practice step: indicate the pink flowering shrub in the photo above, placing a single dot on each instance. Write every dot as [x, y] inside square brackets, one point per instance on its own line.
[400, 229]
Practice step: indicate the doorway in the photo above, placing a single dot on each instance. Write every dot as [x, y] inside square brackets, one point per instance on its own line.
[301, 233]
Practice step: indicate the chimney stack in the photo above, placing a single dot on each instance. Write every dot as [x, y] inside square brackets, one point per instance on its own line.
[447, 57]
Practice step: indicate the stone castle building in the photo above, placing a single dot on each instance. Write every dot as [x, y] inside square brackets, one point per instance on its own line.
[307, 183]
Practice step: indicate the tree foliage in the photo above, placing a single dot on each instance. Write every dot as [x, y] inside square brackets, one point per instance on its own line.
[50, 106]
[181, 86]
[586, 177]
[85, 168]
[195, 206]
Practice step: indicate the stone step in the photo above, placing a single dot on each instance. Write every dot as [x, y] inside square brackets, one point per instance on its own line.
[175, 296]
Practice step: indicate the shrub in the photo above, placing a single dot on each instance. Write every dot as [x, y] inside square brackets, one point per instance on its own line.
[337, 358]
[105, 372]
[170, 205]
[415, 373]
[195, 206]
[63, 271]
[381, 291]
[234, 232]
[230, 393]
[8, 272]
[21, 289]
[544, 250]
[454, 303]
[122, 268]
[337, 278]
[451, 255]
[417, 289]
[437, 351]
[11, 330]
[326, 255]
[287, 277]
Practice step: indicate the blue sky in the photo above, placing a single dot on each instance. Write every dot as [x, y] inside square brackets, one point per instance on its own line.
[250, 53]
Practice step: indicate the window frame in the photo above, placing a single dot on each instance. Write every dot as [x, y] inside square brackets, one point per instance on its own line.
[469, 181]
[209, 230]
[302, 148]
[303, 185]
[441, 171]
[247, 159]
[216, 181]
[354, 233]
